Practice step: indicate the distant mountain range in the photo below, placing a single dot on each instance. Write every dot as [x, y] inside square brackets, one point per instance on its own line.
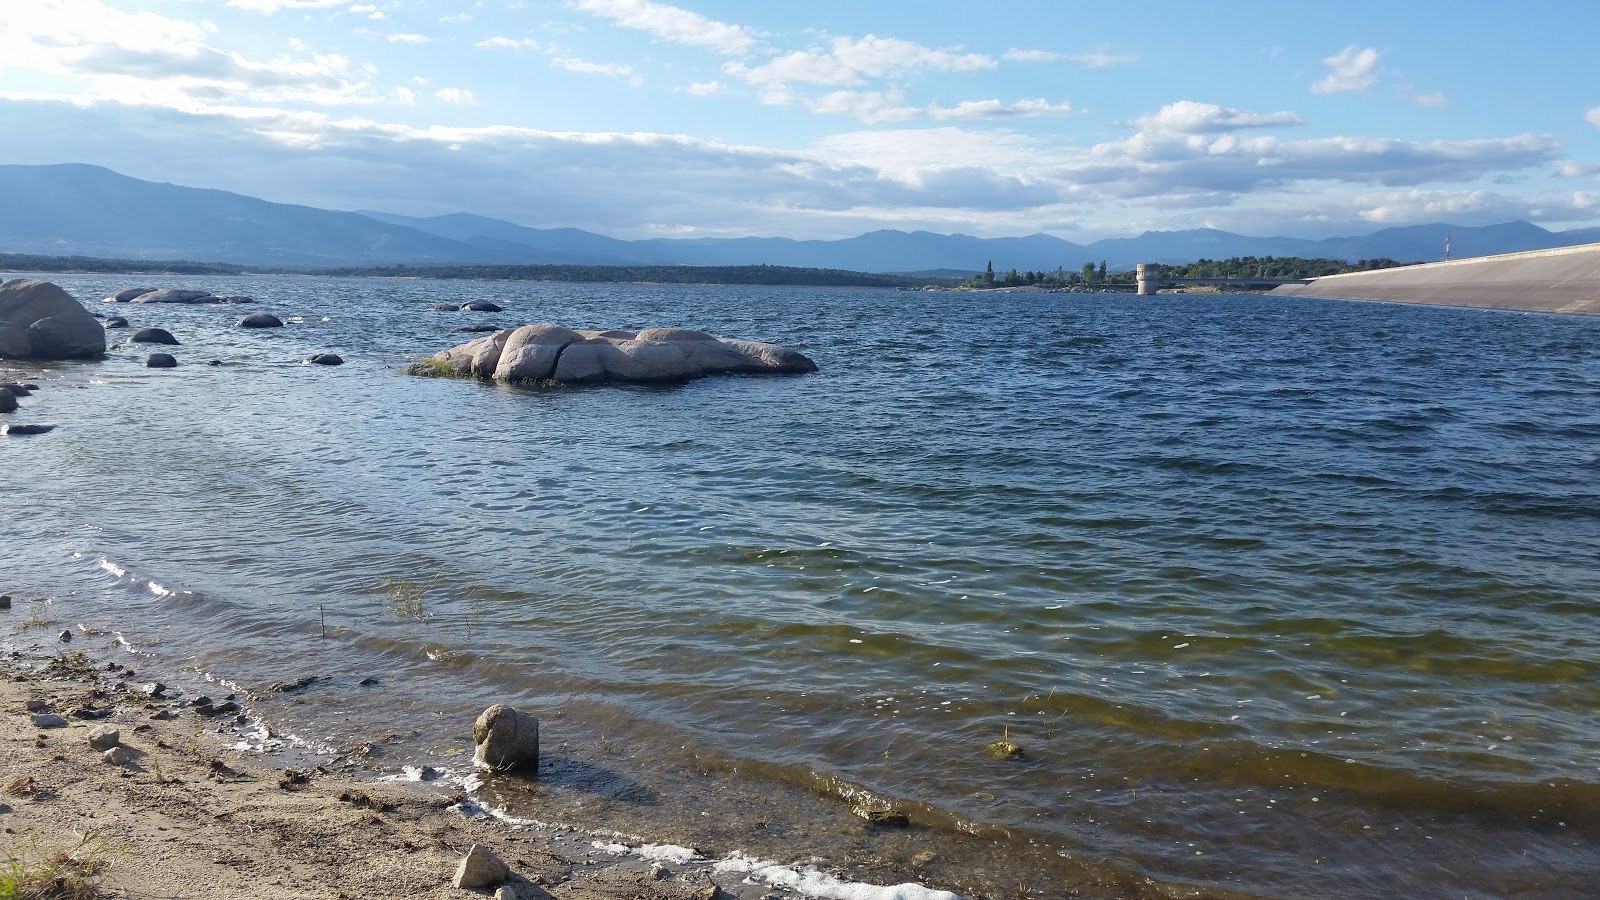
[83, 210]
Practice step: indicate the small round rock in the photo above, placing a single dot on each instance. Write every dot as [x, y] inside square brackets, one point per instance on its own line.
[160, 361]
[153, 336]
[324, 359]
[260, 320]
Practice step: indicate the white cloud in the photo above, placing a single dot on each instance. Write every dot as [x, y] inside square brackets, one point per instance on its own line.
[271, 6]
[408, 39]
[994, 109]
[405, 95]
[1189, 117]
[585, 67]
[706, 88]
[1434, 99]
[458, 17]
[1571, 168]
[1102, 59]
[498, 42]
[106, 53]
[672, 23]
[1593, 116]
[1351, 69]
[852, 61]
[456, 96]
[1015, 55]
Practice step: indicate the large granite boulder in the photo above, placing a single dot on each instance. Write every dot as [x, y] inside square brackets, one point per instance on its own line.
[260, 320]
[39, 320]
[537, 353]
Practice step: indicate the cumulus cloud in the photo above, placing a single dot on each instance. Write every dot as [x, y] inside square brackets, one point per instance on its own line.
[673, 23]
[456, 96]
[1434, 99]
[706, 88]
[1189, 117]
[1593, 116]
[1351, 69]
[408, 39]
[145, 57]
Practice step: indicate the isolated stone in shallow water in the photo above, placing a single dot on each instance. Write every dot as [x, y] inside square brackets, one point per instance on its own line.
[324, 359]
[127, 294]
[114, 322]
[160, 361]
[507, 738]
[260, 320]
[540, 353]
[8, 402]
[18, 430]
[152, 336]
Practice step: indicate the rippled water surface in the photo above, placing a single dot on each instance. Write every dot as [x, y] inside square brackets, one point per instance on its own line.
[1279, 596]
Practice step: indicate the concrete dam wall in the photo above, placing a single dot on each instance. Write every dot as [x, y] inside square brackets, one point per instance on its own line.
[1564, 280]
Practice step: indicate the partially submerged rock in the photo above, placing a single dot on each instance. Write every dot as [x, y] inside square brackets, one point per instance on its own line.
[507, 739]
[260, 320]
[153, 336]
[323, 359]
[539, 353]
[176, 295]
[39, 320]
[160, 361]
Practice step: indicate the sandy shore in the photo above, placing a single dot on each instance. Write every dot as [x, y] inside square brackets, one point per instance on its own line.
[187, 817]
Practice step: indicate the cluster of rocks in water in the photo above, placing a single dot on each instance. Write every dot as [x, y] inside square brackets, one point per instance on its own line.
[171, 295]
[546, 353]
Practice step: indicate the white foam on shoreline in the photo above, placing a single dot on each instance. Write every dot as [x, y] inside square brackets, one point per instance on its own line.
[807, 881]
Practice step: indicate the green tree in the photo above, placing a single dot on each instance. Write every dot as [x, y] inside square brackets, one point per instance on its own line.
[1100, 276]
[988, 274]
[1088, 273]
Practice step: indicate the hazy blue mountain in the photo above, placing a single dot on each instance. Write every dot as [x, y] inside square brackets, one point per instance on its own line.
[566, 245]
[86, 210]
[90, 211]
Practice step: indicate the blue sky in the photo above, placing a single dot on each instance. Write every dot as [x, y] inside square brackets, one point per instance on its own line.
[826, 119]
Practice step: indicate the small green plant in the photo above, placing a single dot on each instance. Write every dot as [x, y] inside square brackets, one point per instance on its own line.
[73, 664]
[30, 872]
[429, 368]
[406, 598]
[38, 615]
[1004, 748]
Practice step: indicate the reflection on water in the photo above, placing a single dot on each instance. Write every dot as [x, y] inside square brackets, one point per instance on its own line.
[1271, 592]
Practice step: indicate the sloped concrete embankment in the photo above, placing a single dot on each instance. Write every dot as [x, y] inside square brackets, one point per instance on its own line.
[1564, 280]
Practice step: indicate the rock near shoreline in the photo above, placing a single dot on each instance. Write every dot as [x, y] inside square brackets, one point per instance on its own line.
[540, 353]
[39, 320]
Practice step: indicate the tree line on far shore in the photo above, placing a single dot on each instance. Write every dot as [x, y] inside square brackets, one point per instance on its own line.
[1272, 268]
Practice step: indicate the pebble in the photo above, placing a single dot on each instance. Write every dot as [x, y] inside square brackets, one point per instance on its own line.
[36, 706]
[104, 737]
[115, 756]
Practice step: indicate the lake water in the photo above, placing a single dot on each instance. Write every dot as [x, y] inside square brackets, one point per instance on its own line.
[1284, 597]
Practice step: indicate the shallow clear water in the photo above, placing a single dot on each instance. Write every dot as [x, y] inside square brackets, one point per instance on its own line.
[1276, 594]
